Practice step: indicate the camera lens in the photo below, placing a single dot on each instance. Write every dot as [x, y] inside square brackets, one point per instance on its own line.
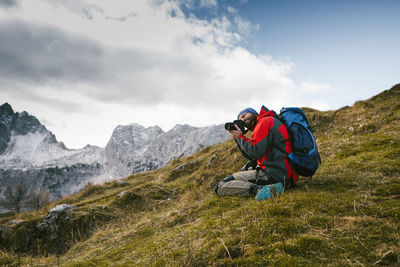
[230, 126]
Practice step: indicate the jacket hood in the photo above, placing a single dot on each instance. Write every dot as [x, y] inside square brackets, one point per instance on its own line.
[265, 112]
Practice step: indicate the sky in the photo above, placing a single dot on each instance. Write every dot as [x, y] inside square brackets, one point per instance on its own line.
[83, 67]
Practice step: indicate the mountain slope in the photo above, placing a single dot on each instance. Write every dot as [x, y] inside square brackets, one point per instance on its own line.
[348, 214]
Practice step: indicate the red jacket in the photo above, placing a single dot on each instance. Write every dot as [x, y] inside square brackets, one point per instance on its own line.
[268, 141]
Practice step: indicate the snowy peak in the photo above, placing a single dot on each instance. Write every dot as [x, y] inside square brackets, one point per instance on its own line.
[182, 127]
[134, 148]
[16, 124]
[128, 138]
[26, 146]
[21, 123]
[6, 110]
[26, 143]
[125, 150]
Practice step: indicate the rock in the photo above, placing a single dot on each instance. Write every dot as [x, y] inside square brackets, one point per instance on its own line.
[15, 222]
[60, 208]
[123, 193]
[211, 160]
[55, 219]
[121, 182]
[7, 233]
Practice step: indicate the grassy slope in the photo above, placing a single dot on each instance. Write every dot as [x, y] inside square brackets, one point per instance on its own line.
[348, 214]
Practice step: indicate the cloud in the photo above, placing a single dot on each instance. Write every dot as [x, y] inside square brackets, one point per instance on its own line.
[36, 54]
[79, 7]
[245, 27]
[208, 3]
[320, 105]
[8, 3]
[96, 59]
[47, 98]
[311, 87]
[184, 72]
[193, 4]
[232, 10]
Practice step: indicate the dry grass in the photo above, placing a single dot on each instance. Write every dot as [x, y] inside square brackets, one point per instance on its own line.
[347, 215]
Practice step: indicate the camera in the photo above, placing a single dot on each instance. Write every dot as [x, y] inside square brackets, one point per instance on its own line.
[231, 126]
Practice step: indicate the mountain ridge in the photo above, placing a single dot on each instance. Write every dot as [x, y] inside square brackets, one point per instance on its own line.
[29, 149]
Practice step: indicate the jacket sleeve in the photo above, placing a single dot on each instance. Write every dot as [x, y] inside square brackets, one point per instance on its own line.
[258, 145]
[242, 151]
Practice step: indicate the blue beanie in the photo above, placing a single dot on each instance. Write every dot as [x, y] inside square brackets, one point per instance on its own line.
[247, 110]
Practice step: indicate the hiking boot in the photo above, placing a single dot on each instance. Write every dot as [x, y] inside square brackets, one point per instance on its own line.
[269, 191]
[255, 188]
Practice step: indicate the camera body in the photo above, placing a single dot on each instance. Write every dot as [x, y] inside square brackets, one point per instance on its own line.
[231, 126]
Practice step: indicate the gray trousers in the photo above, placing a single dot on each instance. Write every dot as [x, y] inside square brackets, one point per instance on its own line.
[240, 183]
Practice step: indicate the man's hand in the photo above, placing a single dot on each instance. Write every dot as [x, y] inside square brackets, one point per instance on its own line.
[235, 133]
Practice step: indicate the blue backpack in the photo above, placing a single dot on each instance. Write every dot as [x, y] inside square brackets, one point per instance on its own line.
[304, 158]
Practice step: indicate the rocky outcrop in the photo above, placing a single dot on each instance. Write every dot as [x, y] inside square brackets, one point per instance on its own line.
[51, 223]
[56, 232]
[126, 149]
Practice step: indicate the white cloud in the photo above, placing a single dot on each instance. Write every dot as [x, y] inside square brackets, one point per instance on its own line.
[320, 105]
[311, 87]
[81, 8]
[232, 10]
[8, 3]
[193, 4]
[118, 62]
[208, 3]
[245, 27]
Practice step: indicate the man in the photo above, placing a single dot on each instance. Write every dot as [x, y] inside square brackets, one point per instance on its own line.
[268, 146]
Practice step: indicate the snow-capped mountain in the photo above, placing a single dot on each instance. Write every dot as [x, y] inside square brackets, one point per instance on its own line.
[134, 148]
[31, 154]
[26, 143]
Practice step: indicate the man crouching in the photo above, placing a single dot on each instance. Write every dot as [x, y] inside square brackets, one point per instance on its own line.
[268, 147]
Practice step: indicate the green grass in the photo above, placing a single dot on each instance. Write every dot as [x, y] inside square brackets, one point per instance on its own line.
[347, 215]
